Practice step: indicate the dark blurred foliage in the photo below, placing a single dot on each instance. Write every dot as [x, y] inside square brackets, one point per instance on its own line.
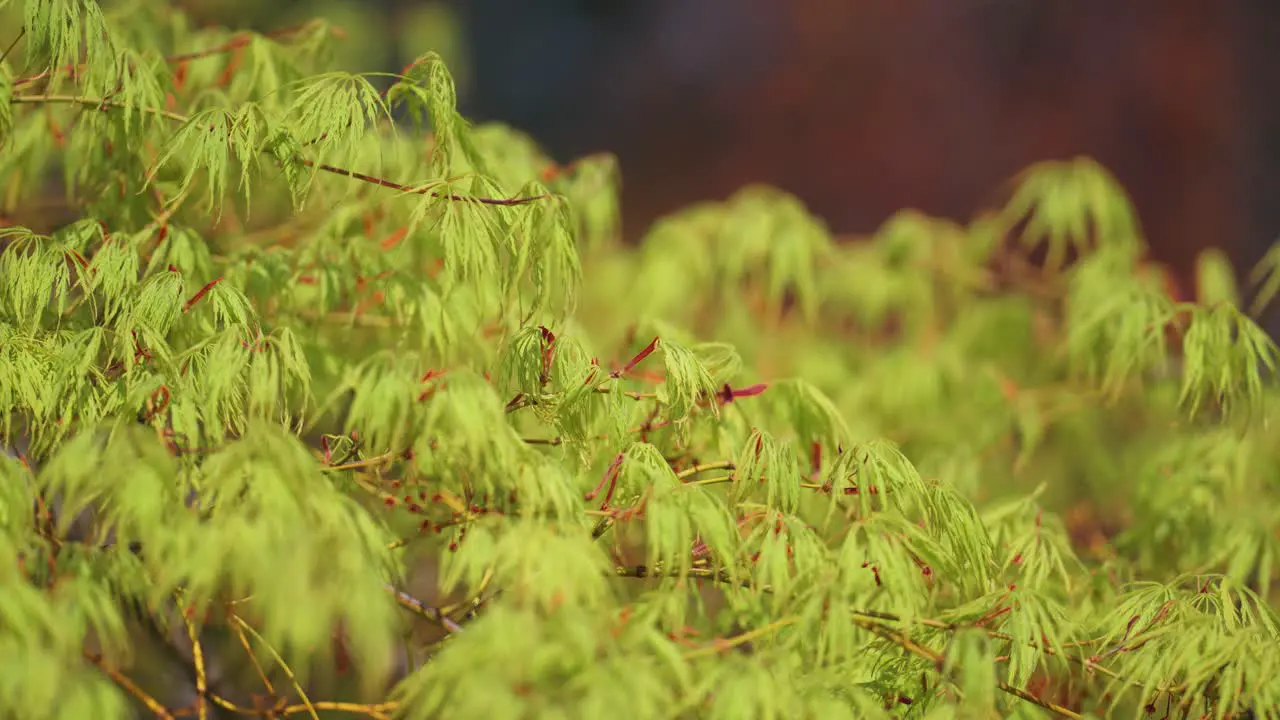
[864, 107]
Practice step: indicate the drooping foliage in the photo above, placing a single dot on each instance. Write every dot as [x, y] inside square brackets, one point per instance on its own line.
[327, 402]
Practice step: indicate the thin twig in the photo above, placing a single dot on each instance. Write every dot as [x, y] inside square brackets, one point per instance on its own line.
[21, 32]
[105, 103]
[197, 655]
[129, 686]
[288, 672]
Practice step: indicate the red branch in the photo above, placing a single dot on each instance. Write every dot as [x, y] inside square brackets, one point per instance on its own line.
[610, 479]
[199, 295]
[639, 358]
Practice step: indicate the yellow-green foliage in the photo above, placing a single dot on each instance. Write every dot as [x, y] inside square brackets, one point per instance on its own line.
[330, 404]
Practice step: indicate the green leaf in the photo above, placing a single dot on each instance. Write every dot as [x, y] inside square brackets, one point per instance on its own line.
[212, 142]
[1074, 205]
[688, 380]
[765, 466]
[1225, 355]
[1215, 279]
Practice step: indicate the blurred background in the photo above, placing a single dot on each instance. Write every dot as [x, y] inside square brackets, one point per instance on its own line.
[863, 107]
